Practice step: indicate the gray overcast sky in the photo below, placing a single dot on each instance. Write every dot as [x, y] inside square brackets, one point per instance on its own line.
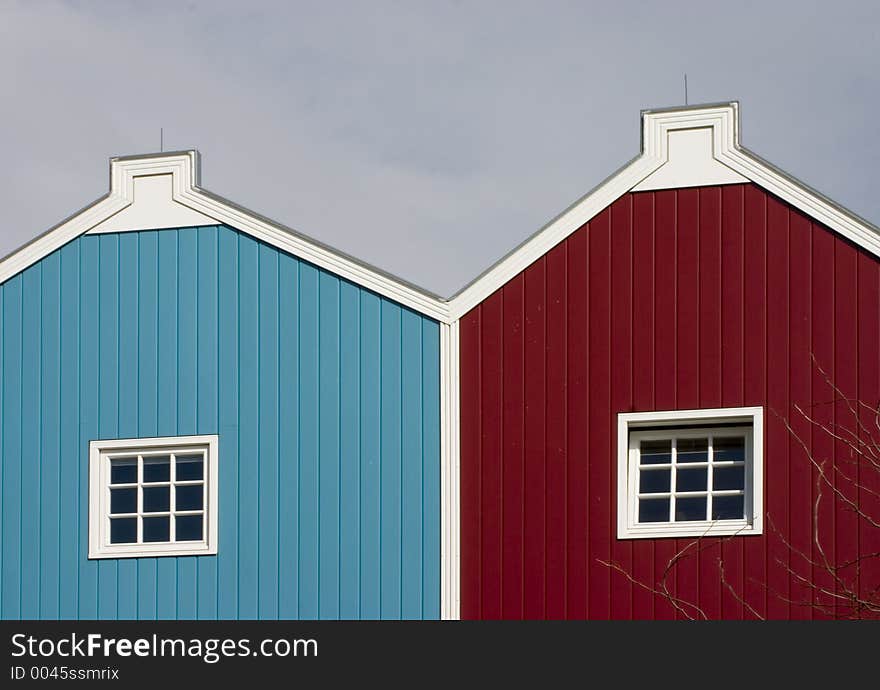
[425, 138]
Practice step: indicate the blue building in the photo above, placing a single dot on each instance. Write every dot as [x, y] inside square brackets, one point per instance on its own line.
[206, 415]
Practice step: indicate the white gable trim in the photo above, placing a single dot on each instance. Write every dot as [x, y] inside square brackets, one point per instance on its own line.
[691, 162]
[661, 166]
[134, 204]
[153, 208]
[677, 151]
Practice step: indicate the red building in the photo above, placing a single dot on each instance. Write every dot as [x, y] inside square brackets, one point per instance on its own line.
[667, 398]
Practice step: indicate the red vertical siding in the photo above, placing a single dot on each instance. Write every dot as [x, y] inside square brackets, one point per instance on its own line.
[676, 299]
[732, 363]
[869, 390]
[533, 532]
[621, 369]
[556, 418]
[490, 444]
[471, 471]
[600, 530]
[755, 373]
[665, 363]
[800, 480]
[578, 420]
[823, 347]
[776, 437]
[843, 543]
[686, 315]
[643, 242]
[513, 486]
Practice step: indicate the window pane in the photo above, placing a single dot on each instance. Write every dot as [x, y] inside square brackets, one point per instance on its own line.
[693, 449]
[123, 501]
[692, 479]
[156, 499]
[123, 531]
[157, 469]
[189, 467]
[730, 448]
[653, 510]
[189, 527]
[656, 452]
[654, 481]
[688, 509]
[157, 529]
[728, 478]
[188, 497]
[728, 508]
[124, 471]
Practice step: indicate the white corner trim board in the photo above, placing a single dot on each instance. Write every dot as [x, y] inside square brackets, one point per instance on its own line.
[450, 529]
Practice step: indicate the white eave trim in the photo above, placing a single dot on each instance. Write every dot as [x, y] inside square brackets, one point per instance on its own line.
[661, 166]
[135, 202]
[671, 157]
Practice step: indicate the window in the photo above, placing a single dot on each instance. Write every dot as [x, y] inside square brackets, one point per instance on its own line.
[153, 497]
[690, 473]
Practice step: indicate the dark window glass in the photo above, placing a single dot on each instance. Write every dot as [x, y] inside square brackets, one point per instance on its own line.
[654, 481]
[695, 479]
[689, 509]
[655, 452]
[124, 471]
[729, 448]
[189, 467]
[725, 478]
[653, 510]
[693, 449]
[156, 499]
[123, 531]
[157, 469]
[188, 497]
[123, 501]
[157, 529]
[727, 508]
[188, 527]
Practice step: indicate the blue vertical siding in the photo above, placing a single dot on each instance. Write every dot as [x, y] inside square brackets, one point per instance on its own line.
[148, 389]
[206, 390]
[11, 443]
[72, 537]
[325, 397]
[371, 453]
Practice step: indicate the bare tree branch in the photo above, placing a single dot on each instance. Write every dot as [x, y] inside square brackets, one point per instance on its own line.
[833, 584]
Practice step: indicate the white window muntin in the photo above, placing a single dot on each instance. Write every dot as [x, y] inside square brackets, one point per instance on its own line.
[674, 466]
[101, 455]
[682, 424]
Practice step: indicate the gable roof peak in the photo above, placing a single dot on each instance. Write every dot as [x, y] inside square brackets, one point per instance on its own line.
[682, 146]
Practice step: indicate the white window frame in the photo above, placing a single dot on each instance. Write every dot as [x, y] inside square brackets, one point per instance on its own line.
[100, 453]
[628, 431]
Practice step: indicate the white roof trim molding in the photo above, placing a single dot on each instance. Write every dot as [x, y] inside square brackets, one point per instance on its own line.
[151, 188]
[691, 145]
[681, 147]
[162, 191]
